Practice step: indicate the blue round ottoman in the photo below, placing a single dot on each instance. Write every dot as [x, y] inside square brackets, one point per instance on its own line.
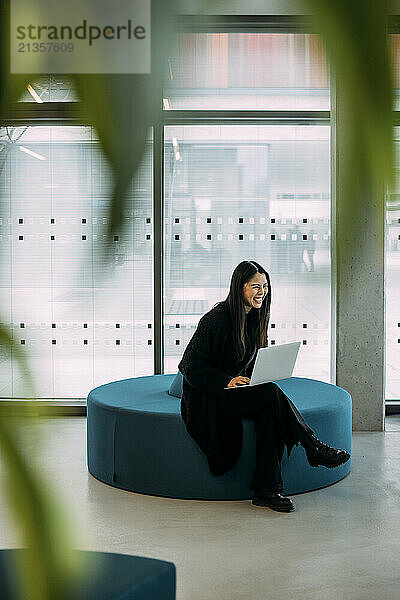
[137, 440]
[106, 576]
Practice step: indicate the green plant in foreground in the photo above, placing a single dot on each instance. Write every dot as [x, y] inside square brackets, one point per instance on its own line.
[357, 45]
[129, 105]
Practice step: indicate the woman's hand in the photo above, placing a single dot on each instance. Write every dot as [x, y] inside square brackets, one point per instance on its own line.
[239, 381]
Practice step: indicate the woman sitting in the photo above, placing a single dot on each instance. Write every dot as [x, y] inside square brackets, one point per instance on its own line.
[221, 354]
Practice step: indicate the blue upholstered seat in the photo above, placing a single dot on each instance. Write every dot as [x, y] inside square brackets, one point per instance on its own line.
[108, 576]
[137, 440]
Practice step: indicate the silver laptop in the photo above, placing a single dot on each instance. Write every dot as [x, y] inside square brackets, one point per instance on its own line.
[273, 363]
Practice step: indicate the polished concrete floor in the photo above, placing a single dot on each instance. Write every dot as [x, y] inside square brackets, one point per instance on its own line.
[341, 542]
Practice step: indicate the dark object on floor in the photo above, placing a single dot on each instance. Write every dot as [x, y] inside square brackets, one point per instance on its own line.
[111, 576]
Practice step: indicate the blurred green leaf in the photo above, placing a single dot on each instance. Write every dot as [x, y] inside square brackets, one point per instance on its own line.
[357, 46]
[123, 107]
[12, 86]
[50, 566]
[7, 341]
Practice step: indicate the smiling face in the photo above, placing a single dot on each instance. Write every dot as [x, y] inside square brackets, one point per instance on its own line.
[255, 291]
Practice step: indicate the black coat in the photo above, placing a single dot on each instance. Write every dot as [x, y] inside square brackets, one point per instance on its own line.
[207, 366]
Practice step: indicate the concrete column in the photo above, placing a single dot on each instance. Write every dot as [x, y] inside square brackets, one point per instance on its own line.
[358, 252]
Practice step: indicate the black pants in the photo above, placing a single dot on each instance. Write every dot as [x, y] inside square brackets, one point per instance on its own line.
[277, 423]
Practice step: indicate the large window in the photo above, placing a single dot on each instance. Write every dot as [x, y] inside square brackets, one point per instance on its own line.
[81, 322]
[392, 285]
[392, 251]
[241, 191]
[235, 187]
[238, 193]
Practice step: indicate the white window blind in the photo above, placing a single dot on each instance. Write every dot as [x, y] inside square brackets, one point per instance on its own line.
[81, 322]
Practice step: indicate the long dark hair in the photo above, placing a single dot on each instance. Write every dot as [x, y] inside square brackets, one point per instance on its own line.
[257, 319]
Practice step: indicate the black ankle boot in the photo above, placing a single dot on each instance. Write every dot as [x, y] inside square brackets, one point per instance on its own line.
[273, 500]
[320, 454]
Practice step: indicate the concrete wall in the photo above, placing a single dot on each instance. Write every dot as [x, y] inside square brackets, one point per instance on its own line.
[358, 301]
